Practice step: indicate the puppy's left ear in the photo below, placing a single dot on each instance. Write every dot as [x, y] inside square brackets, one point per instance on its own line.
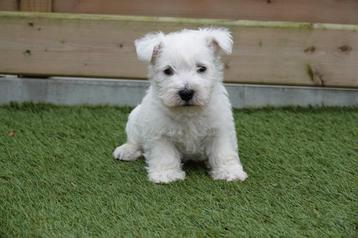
[219, 38]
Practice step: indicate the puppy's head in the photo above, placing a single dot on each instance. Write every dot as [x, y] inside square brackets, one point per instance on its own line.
[184, 66]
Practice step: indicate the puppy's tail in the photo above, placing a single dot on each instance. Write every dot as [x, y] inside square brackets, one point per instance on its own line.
[127, 152]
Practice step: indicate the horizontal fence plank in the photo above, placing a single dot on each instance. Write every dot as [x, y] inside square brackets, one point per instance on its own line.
[36, 5]
[9, 5]
[102, 46]
[324, 11]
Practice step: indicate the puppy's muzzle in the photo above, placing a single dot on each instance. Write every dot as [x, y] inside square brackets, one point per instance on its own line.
[186, 94]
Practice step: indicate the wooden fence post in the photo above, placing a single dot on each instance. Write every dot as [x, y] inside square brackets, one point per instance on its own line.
[36, 5]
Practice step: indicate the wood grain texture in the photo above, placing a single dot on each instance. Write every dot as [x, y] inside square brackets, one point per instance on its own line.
[36, 5]
[8, 5]
[102, 46]
[324, 11]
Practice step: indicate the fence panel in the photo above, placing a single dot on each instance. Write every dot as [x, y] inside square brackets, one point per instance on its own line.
[102, 46]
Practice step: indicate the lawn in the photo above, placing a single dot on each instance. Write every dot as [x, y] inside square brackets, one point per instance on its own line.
[58, 179]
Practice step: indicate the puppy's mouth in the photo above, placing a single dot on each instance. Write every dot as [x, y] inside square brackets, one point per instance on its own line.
[186, 108]
[177, 103]
[185, 105]
[188, 104]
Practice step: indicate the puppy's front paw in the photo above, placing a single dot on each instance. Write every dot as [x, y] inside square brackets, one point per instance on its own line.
[166, 176]
[229, 173]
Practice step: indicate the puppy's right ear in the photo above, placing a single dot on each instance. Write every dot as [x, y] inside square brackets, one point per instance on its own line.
[219, 38]
[149, 46]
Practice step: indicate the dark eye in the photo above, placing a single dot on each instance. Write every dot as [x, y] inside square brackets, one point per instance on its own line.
[168, 71]
[201, 69]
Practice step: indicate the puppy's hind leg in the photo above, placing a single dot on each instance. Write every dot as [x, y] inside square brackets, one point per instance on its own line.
[131, 150]
[128, 151]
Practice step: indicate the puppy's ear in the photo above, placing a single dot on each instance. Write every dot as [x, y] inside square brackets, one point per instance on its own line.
[148, 47]
[219, 38]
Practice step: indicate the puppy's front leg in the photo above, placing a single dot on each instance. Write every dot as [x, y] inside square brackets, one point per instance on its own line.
[164, 164]
[224, 159]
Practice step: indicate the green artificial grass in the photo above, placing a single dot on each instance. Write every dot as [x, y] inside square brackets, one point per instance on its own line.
[58, 178]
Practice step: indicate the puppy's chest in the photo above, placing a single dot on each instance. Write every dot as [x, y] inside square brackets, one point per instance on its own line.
[191, 137]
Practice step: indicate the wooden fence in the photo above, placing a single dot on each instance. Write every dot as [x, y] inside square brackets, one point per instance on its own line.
[275, 51]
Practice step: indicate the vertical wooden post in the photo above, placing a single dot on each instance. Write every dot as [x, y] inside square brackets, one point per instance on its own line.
[36, 5]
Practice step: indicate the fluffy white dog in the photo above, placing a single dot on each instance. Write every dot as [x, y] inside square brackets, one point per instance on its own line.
[186, 113]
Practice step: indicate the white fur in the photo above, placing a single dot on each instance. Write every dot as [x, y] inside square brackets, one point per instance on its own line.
[164, 128]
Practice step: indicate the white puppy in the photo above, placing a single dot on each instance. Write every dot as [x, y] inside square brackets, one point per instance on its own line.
[186, 113]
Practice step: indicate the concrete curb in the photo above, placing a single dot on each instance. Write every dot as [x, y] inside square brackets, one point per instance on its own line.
[76, 91]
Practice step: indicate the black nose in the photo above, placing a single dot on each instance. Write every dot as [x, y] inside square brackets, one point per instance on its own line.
[186, 94]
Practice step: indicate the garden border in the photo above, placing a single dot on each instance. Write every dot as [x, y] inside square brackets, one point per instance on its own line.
[78, 91]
